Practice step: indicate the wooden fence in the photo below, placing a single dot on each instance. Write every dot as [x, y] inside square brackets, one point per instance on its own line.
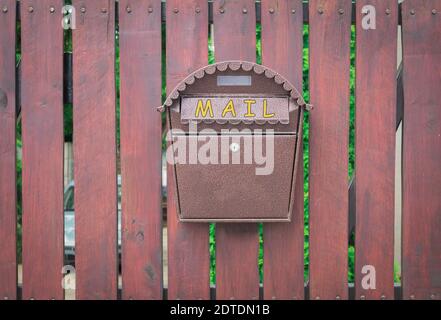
[40, 93]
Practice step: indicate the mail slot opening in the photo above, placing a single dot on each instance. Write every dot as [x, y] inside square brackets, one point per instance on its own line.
[234, 131]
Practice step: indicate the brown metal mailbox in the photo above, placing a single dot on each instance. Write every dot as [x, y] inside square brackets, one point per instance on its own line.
[234, 141]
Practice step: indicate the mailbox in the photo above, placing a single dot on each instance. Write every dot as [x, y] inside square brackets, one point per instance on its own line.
[234, 135]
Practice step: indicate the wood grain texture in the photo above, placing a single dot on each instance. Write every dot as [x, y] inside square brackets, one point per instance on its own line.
[8, 195]
[375, 148]
[329, 132]
[95, 150]
[282, 50]
[188, 251]
[140, 59]
[421, 259]
[43, 137]
[237, 246]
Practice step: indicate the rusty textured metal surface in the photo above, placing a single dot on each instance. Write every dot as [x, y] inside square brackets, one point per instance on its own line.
[42, 134]
[329, 135]
[283, 242]
[140, 51]
[421, 260]
[188, 244]
[8, 193]
[233, 192]
[94, 145]
[375, 149]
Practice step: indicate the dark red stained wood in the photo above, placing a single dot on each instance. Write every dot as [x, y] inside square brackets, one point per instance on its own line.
[422, 151]
[140, 65]
[42, 133]
[95, 150]
[375, 148]
[8, 215]
[329, 132]
[237, 245]
[282, 44]
[188, 247]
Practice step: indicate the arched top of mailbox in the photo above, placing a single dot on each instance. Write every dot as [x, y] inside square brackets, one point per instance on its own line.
[230, 66]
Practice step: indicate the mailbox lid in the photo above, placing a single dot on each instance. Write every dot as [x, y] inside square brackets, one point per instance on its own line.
[233, 192]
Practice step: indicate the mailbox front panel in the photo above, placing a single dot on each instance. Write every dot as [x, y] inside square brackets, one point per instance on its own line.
[234, 193]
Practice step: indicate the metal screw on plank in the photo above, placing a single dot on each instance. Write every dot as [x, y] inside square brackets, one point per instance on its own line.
[383, 297]
[412, 12]
[5, 9]
[222, 10]
[52, 9]
[412, 297]
[271, 10]
[293, 11]
[198, 10]
[337, 298]
[31, 298]
[83, 9]
[388, 12]
[129, 10]
[317, 298]
[433, 296]
[6, 298]
[104, 10]
[175, 10]
[31, 9]
[434, 11]
[362, 297]
[244, 11]
[150, 10]
[320, 10]
[341, 11]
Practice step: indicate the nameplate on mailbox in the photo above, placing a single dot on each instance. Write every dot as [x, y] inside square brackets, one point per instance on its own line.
[243, 108]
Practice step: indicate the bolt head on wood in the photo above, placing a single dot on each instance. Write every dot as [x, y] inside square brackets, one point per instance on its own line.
[198, 10]
[383, 297]
[244, 11]
[5, 9]
[150, 10]
[271, 10]
[362, 297]
[293, 11]
[129, 10]
[433, 296]
[175, 10]
[320, 10]
[83, 9]
[388, 12]
[31, 9]
[434, 11]
[337, 298]
[341, 11]
[6, 298]
[104, 10]
[52, 9]
[412, 12]
[222, 10]
[412, 297]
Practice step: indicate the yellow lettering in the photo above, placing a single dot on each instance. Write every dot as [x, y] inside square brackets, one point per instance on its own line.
[249, 114]
[201, 109]
[266, 115]
[229, 108]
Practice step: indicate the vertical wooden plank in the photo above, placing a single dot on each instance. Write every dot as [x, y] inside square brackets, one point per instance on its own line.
[422, 150]
[282, 50]
[42, 133]
[95, 150]
[237, 245]
[140, 65]
[375, 148]
[330, 26]
[188, 245]
[8, 197]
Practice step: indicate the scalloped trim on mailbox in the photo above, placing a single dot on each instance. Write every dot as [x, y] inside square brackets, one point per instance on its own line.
[234, 66]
